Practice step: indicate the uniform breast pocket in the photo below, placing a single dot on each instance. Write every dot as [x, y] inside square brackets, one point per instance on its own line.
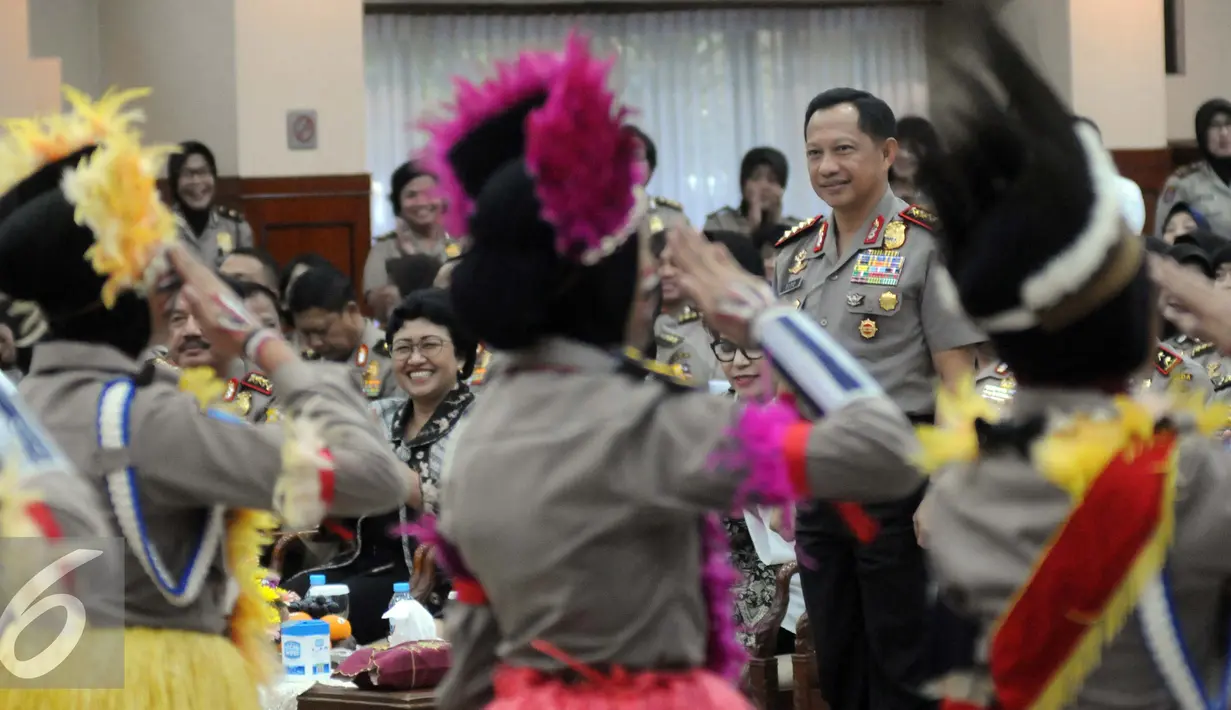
[874, 309]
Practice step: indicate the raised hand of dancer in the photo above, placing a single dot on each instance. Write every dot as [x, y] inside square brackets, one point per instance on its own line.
[1193, 303]
[728, 297]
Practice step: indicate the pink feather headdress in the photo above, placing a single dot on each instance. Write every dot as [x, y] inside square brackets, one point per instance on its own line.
[577, 148]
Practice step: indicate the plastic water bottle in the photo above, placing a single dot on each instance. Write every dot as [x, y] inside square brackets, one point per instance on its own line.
[315, 581]
[401, 592]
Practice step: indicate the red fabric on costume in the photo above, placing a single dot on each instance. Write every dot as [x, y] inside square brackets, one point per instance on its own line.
[528, 689]
[469, 591]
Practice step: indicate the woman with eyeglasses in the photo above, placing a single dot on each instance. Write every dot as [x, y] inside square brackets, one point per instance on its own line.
[756, 533]
[432, 359]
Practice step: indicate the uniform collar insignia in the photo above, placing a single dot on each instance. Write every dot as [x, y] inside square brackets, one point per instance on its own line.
[1166, 360]
[361, 355]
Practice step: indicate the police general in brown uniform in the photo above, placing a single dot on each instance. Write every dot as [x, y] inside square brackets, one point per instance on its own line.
[871, 275]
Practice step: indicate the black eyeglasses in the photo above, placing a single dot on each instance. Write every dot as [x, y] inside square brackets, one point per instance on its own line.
[725, 351]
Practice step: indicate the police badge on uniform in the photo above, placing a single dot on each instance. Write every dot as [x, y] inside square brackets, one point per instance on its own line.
[226, 243]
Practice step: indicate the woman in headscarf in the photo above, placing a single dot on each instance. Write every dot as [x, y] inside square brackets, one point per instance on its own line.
[578, 472]
[213, 231]
[1205, 185]
[762, 179]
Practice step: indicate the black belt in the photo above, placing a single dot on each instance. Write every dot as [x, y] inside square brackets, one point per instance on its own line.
[929, 418]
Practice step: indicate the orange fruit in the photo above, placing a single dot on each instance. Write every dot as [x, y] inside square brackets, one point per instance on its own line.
[339, 628]
[298, 616]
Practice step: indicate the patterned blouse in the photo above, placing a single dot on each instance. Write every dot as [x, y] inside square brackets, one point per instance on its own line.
[424, 452]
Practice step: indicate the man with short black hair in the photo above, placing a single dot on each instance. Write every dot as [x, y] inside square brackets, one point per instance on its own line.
[871, 275]
[327, 318]
[253, 265]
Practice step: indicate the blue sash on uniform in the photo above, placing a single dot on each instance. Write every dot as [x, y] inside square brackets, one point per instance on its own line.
[1163, 636]
[114, 434]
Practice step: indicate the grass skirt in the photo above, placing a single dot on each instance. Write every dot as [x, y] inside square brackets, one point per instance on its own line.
[526, 689]
[163, 670]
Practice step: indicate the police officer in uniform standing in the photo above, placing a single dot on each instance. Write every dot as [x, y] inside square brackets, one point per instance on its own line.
[212, 230]
[871, 275]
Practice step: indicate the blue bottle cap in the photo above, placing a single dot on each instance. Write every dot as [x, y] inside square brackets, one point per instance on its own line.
[316, 579]
[307, 627]
[401, 587]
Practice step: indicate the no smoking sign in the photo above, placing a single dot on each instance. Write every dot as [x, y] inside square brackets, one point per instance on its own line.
[301, 130]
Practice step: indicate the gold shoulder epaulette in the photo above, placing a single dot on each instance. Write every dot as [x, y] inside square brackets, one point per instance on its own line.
[1185, 170]
[671, 375]
[258, 381]
[668, 203]
[917, 215]
[794, 232]
[229, 213]
[1202, 349]
[689, 315]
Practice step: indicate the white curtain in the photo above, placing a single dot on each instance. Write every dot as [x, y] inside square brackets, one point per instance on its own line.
[707, 85]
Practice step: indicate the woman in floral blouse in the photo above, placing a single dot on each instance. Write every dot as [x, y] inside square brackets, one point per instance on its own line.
[432, 358]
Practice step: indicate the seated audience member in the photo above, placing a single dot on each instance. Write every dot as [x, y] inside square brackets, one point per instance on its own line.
[294, 269]
[210, 229]
[755, 534]
[250, 391]
[432, 359]
[417, 230]
[1182, 220]
[328, 321]
[253, 265]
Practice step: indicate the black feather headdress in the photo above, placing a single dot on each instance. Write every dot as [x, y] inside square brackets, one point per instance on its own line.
[1033, 232]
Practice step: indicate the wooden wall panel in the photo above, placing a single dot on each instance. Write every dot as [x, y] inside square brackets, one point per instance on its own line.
[326, 214]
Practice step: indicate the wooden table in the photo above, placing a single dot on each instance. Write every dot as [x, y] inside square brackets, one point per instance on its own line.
[326, 697]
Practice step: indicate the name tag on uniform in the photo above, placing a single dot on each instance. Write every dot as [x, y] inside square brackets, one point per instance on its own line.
[878, 267]
[791, 285]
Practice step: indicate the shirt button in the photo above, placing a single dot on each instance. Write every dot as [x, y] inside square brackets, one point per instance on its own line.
[833, 277]
[824, 323]
[797, 304]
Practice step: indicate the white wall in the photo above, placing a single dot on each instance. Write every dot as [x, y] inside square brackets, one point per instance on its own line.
[1118, 70]
[27, 86]
[1207, 47]
[68, 29]
[194, 81]
[293, 54]
[1041, 27]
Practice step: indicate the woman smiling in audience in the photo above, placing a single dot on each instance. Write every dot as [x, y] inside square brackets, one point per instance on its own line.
[432, 358]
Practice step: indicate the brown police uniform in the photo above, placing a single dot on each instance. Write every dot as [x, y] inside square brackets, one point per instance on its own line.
[683, 342]
[890, 302]
[602, 455]
[183, 463]
[1197, 185]
[388, 247]
[225, 231]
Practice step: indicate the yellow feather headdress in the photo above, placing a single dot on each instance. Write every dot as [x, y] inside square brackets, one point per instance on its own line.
[114, 190]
